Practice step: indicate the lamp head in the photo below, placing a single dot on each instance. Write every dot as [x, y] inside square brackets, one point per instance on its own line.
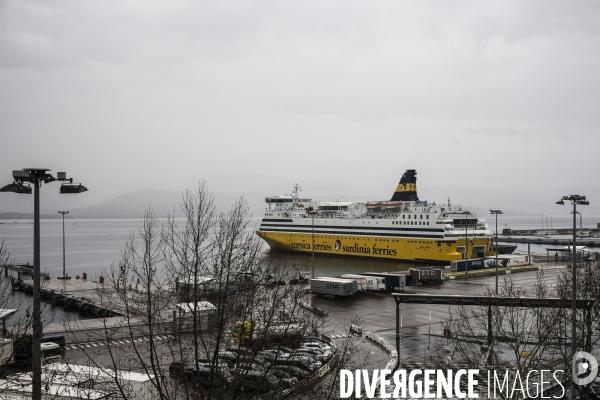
[16, 187]
[68, 188]
[20, 174]
[561, 202]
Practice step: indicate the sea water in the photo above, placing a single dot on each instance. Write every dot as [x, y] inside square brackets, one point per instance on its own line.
[93, 245]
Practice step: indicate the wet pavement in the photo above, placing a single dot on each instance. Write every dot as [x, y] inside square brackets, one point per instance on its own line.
[378, 314]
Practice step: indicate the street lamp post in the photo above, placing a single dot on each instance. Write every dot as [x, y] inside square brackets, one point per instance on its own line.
[575, 199]
[312, 215]
[64, 252]
[466, 244]
[37, 176]
[496, 212]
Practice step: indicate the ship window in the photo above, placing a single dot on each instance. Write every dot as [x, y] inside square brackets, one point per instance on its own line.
[409, 216]
[403, 216]
[421, 216]
[428, 216]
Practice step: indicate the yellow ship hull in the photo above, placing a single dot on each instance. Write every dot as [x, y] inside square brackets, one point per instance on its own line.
[397, 249]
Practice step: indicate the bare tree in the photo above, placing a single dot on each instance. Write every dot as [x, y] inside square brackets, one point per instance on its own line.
[4, 281]
[588, 321]
[207, 270]
[522, 339]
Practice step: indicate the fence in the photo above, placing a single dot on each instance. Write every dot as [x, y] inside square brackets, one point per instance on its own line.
[119, 328]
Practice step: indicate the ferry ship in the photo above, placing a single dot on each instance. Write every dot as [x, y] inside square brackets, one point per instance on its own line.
[403, 228]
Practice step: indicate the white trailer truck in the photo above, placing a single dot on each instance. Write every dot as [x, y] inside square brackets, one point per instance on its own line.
[374, 283]
[333, 287]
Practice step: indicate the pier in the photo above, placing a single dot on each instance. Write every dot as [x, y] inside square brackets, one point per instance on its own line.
[549, 241]
[110, 317]
[90, 297]
[22, 269]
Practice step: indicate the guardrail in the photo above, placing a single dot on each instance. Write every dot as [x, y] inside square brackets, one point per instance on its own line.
[391, 349]
[310, 307]
[489, 271]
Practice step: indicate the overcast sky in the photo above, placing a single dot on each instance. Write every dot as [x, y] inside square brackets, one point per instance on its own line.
[495, 104]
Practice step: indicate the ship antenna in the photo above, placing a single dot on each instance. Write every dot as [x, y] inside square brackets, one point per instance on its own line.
[296, 189]
[448, 201]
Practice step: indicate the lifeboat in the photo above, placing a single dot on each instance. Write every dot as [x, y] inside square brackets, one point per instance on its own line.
[393, 204]
[373, 204]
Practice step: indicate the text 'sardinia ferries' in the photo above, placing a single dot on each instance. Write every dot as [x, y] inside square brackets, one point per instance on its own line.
[403, 228]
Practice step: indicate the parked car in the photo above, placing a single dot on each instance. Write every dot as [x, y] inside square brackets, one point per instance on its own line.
[256, 381]
[315, 339]
[311, 354]
[282, 358]
[260, 360]
[176, 368]
[293, 371]
[312, 363]
[228, 358]
[57, 338]
[324, 354]
[207, 375]
[240, 350]
[286, 379]
[316, 345]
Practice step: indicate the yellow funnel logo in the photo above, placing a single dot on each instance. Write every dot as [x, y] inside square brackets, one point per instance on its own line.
[406, 187]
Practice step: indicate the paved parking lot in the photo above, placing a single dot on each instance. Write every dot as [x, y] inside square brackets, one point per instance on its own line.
[378, 314]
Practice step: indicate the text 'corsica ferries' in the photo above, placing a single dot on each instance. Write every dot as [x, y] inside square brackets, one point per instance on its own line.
[403, 228]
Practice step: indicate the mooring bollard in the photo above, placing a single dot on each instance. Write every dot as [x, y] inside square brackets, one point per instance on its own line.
[101, 279]
[84, 275]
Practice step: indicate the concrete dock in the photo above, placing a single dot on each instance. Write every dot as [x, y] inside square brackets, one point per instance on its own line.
[90, 297]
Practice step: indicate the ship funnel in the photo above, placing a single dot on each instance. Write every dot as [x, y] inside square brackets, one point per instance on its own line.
[407, 188]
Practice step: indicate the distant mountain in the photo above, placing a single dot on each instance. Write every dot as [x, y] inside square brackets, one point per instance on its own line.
[162, 202]
[131, 205]
[18, 215]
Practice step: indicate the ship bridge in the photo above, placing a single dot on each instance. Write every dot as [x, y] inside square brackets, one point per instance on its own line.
[286, 199]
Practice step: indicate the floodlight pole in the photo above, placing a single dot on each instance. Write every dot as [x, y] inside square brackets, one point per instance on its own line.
[496, 212]
[37, 176]
[466, 245]
[496, 254]
[312, 214]
[36, 323]
[64, 252]
[575, 199]
[574, 292]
